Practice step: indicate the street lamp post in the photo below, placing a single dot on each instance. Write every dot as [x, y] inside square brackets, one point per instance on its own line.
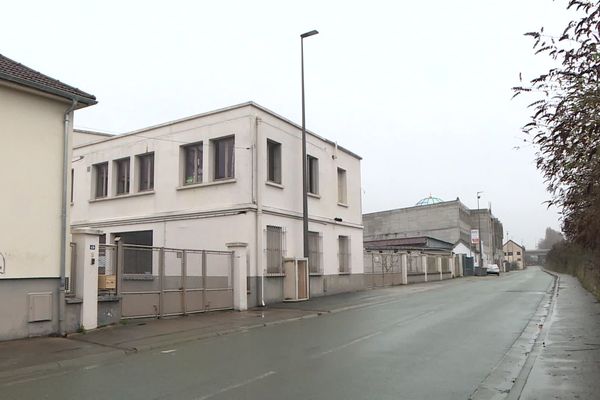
[479, 229]
[304, 166]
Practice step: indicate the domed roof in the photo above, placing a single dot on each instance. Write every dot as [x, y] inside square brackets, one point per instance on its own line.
[429, 200]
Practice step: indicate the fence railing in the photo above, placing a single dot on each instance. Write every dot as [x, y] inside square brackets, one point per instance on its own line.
[160, 281]
[388, 267]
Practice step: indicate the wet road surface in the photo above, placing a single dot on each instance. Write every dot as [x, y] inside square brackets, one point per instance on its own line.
[434, 344]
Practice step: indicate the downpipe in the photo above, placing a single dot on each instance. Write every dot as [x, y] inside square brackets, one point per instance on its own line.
[63, 219]
[258, 239]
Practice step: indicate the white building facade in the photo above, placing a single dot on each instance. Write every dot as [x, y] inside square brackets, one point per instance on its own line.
[230, 175]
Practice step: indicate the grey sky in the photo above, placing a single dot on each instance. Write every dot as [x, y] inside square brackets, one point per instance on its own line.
[420, 89]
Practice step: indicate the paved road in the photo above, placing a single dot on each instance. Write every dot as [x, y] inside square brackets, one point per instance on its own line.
[434, 344]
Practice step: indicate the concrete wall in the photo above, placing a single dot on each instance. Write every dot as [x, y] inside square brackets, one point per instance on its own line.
[416, 278]
[444, 221]
[15, 302]
[81, 137]
[109, 311]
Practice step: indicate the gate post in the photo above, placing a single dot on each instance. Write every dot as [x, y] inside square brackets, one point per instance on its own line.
[404, 269]
[184, 281]
[240, 260]
[161, 279]
[86, 284]
[424, 265]
[439, 267]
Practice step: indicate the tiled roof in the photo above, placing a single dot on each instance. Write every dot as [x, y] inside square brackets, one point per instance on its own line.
[18, 73]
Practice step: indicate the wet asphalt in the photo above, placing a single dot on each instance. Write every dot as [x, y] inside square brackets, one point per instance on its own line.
[433, 344]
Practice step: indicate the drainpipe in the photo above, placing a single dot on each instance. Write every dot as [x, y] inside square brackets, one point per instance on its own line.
[63, 219]
[258, 241]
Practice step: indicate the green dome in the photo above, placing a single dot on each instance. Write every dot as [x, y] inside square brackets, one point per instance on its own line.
[429, 200]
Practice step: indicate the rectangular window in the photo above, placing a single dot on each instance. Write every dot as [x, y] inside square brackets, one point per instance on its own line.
[510, 253]
[137, 260]
[274, 249]
[313, 174]
[122, 167]
[315, 252]
[273, 161]
[344, 254]
[193, 163]
[146, 168]
[518, 253]
[342, 188]
[101, 176]
[224, 158]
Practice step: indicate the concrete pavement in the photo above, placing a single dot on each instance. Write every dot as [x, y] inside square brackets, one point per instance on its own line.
[566, 361]
[435, 343]
[23, 357]
[453, 339]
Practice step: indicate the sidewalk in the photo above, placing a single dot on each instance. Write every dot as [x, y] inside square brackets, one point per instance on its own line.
[567, 365]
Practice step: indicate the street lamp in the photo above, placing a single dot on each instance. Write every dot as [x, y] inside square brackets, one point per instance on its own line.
[479, 230]
[304, 167]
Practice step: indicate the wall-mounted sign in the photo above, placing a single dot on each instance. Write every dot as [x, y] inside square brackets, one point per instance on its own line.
[474, 236]
[92, 247]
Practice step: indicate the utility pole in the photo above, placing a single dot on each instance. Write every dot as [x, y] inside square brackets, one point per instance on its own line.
[479, 230]
[304, 166]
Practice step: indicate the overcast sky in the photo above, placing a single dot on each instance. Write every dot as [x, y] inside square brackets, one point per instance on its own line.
[420, 89]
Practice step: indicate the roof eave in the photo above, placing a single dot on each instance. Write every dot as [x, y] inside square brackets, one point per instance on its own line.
[87, 101]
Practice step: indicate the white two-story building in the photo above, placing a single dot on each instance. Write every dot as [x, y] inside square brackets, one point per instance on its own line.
[229, 175]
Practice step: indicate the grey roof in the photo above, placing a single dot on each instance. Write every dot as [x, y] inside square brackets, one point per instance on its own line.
[15, 72]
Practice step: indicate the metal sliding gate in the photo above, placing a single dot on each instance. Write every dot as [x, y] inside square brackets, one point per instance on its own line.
[160, 281]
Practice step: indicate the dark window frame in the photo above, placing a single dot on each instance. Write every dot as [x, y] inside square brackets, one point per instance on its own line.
[193, 173]
[226, 157]
[123, 176]
[274, 161]
[146, 172]
[101, 180]
[313, 174]
[342, 186]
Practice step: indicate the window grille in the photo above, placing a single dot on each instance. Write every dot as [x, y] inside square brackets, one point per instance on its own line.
[315, 252]
[275, 249]
[344, 254]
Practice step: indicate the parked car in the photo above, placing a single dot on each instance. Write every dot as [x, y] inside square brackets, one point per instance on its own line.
[492, 269]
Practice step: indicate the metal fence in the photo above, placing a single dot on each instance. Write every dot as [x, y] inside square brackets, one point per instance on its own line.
[385, 268]
[159, 281]
[382, 269]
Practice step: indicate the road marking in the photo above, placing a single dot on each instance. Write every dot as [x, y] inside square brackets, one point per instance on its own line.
[413, 317]
[168, 351]
[237, 385]
[34, 378]
[90, 367]
[340, 347]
